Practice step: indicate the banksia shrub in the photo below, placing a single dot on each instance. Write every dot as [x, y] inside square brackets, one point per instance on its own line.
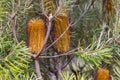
[36, 34]
[60, 25]
[102, 74]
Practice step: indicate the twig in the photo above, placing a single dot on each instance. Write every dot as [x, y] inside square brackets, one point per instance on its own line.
[59, 67]
[37, 66]
[43, 10]
[64, 54]
[59, 8]
[13, 20]
[14, 30]
[64, 66]
[101, 35]
[85, 11]
[14, 13]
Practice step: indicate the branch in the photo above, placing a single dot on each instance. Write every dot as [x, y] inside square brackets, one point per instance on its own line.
[67, 63]
[59, 67]
[14, 13]
[14, 30]
[13, 20]
[37, 66]
[85, 11]
[64, 54]
[101, 35]
[43, 10]
[59, 8]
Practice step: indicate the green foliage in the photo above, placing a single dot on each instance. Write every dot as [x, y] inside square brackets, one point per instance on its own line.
[115, 62]
[94, 58]
[14, 59]
[28, 76]
[69, 4]
[2, 9]
[67, 75]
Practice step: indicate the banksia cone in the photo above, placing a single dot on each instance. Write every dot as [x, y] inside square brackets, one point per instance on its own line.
[36, 34]
[60, 25]
[108, 6]
[49, 6]
[102, 74]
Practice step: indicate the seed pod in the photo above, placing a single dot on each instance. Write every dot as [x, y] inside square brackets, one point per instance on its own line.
[102, 74]
[60, 25]
[36, 34]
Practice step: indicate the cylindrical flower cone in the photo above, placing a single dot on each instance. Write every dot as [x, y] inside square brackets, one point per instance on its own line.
[60, 25]
[108, 6]
[108, 13]
[49, 6]
[102, 74]
[36, 34]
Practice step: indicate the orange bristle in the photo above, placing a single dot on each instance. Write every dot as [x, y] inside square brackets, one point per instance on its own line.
[102, 74]
[109, 7]
[36, 34]
[60, 25]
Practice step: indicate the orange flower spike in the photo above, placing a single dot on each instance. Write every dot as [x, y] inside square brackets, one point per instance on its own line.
[109, 7]
[61, 24]
[36, 34]
[102, 74]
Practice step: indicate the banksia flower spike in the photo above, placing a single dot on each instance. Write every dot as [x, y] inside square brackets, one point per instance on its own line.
[102, 74]
[36, 34]
[108, 6]
[49, 6]
[60, 25]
